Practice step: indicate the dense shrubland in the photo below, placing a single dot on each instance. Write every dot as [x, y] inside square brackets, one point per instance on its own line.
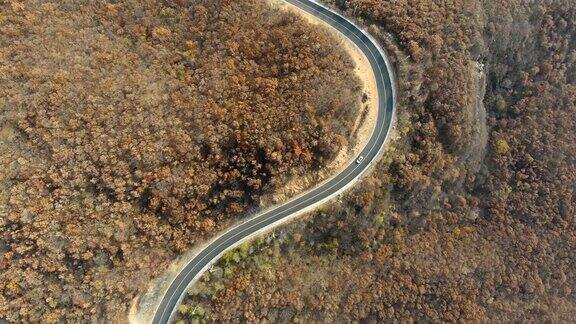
[432, 234]
[131, 130]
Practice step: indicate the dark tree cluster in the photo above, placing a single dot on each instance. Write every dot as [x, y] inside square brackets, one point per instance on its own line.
[131, 130]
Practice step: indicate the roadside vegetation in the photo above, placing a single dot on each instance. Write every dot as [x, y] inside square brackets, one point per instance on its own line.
[132, 130]
[465, 218]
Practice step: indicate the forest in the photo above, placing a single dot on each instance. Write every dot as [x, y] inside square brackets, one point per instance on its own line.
[132, 130]
[471, 213]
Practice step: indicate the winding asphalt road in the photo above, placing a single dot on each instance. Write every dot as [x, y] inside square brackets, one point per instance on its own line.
[329, 189]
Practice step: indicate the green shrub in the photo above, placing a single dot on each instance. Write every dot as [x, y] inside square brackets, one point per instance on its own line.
[502, 147]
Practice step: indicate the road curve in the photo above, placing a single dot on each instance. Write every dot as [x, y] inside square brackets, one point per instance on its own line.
[329, 189]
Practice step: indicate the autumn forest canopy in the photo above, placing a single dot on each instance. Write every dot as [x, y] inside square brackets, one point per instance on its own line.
[471, 213]
[131, 130]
